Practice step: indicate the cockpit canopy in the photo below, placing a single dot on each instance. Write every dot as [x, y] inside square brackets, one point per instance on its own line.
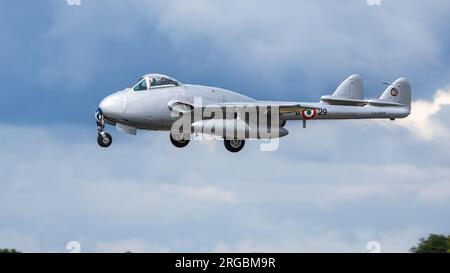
[152, 81]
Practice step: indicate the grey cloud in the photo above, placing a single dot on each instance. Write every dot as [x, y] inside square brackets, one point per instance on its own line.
[332, 186]
[272, 39]
[294, 46]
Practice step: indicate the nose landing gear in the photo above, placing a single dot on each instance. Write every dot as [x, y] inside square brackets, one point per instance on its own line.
[103, 139]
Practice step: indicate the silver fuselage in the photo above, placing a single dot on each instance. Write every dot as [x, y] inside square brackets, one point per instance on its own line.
[149, 109]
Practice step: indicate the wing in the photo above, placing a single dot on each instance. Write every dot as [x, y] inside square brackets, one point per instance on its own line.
[187, 105]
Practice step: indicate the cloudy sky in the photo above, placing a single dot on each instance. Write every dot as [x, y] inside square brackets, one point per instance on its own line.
[334, 186]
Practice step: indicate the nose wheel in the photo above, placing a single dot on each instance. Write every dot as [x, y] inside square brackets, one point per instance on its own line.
[103, 139]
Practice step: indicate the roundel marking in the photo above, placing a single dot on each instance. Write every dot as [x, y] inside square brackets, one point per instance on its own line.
[394, 92]
[309, 113]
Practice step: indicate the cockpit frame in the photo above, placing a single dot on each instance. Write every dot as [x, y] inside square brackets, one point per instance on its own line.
[154, 81]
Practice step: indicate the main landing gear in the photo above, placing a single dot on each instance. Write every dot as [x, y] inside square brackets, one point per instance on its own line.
[179, 141]
[103, 139]
[234, 145]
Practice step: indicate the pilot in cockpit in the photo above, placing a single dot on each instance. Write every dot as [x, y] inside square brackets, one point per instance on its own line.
[152, 81]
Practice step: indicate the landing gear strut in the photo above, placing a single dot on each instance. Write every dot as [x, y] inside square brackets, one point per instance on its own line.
[103, 139]
[234, 145]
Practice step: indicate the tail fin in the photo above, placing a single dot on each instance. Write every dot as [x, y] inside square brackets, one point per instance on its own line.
[351, 88]
[349, 92]
[398, 92]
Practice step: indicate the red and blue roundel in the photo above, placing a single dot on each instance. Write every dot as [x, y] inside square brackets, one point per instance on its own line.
[309, 113]
[394, 92]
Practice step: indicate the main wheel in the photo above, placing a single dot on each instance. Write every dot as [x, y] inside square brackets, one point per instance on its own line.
[104, 141]
[234, 145]
[179, 143]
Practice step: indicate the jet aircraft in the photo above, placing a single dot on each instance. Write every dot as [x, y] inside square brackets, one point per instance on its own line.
[158, 102]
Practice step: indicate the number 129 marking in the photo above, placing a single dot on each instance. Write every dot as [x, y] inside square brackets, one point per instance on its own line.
[322, 112]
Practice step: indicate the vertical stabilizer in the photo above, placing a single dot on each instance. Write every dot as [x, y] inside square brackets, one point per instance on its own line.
[398, 92]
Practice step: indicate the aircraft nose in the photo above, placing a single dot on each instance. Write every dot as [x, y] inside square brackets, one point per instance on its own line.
[112, 105]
